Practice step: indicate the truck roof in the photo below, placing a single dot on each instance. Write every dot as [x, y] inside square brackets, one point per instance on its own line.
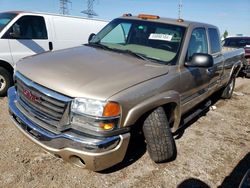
[179, 22]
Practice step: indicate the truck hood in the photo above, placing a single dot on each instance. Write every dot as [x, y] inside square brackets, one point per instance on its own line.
[88, 72]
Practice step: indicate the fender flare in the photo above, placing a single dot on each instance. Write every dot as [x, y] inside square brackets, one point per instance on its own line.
[153, 102]
[237, 66]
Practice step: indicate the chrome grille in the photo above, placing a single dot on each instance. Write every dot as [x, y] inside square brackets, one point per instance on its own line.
[44, 104]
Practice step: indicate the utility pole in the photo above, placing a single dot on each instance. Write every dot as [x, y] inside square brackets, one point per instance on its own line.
[90, 10]
[64, 9]
[180, 9]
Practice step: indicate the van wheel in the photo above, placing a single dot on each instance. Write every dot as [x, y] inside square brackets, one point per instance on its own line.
[157, 133]
[5, 81]
[227, 92]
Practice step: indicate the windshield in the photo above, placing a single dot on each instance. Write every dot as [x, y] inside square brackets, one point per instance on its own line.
[5, 18]
[236, 42]
[152, 40]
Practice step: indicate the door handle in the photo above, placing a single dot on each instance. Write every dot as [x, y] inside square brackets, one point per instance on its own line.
[50, 46]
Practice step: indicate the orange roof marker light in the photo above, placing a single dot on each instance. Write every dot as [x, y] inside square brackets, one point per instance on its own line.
[148, 16]
[180, 20]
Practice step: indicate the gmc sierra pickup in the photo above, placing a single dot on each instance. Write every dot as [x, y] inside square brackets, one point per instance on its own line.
[81, 103]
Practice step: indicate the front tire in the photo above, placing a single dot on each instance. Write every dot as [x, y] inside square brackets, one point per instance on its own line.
[157, 133]
[5, 81]
[227, 92]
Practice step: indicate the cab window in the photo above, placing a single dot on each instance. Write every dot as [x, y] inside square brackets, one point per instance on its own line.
[197, 43]
[214, 40]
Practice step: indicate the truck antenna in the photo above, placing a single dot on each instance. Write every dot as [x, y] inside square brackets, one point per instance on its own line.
[180, 9]
[90, 10]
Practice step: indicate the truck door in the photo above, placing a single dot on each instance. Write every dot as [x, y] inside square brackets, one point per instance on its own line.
[194, 80]
[27, 36]
[216, 71]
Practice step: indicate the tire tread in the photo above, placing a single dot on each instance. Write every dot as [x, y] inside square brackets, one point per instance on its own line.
[160, 142]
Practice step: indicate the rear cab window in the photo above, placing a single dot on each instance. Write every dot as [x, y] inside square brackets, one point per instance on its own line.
[236, 42]
[214, 39]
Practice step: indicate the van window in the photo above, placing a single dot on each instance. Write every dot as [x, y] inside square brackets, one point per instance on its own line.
[214, 40]
[5, 18]
[28, 27]
[197, 43]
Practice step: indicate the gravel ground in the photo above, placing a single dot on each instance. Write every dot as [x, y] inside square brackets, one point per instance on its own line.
[214, 151]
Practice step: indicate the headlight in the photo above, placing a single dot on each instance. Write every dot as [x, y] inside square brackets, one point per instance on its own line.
[95, 115]
[88, 107]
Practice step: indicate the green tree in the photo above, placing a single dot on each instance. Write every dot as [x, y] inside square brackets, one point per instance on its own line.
[225, 34]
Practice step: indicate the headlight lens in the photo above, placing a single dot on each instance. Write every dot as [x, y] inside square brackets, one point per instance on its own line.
[88, 107]
[95, 115]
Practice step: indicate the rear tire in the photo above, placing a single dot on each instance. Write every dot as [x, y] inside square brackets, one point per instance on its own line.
[157, 133]
[247, 69]
[5, 81]
[227, 92]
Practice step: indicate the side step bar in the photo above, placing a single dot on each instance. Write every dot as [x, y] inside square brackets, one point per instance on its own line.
[190, 116]
[197, 112]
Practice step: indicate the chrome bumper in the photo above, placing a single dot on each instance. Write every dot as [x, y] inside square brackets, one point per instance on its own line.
[92, 153]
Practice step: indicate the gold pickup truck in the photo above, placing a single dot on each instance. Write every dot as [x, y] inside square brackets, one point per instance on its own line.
[81, 103]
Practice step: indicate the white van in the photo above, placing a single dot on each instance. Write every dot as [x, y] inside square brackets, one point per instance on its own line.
[24, 33]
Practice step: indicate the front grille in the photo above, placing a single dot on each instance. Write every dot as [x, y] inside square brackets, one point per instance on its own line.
[43, 104]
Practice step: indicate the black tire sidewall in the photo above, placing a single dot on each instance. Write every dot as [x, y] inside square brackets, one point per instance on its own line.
[158, 136]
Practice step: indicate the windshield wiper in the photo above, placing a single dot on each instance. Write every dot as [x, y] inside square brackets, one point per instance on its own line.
[116, 50]
[156, 60]
[98, 45]
[144, 57]
[140, 56]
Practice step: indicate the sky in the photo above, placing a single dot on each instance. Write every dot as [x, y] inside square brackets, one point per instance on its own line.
[230, 15]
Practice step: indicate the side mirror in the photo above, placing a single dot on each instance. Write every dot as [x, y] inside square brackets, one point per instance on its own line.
[200, 60]
[91, 36]
[16, 31]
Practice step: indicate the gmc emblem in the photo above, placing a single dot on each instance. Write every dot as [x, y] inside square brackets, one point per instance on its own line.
[31, 96]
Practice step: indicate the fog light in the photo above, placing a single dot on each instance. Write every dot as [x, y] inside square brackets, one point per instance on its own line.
[107, 126]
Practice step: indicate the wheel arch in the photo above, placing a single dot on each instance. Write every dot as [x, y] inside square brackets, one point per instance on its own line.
[7, 66]
[235, 69]
[170, 101]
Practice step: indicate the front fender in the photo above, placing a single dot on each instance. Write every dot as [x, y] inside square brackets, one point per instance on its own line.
[155, 101]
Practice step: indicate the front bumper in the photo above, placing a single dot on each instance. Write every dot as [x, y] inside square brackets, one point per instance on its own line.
[93, 153]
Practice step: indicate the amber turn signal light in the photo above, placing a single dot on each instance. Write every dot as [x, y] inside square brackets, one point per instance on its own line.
[111, 109]
[107, 126]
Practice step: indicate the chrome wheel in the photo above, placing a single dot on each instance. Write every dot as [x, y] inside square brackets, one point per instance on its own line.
[2, 83]
[231, 87]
